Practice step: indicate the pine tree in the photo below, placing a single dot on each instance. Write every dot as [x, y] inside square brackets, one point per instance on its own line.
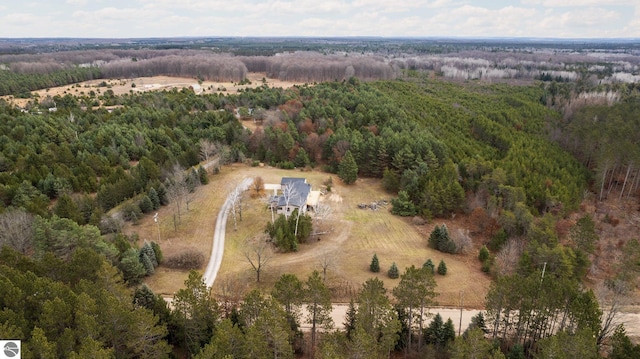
[202, 175]
[157, 251]
[442, 268]
[393, 271]
[153, 196]
[146, 205]
[162, 195]
[350, 319]
[375, 264]
[402, 206]
[439, 239]
[148, 250]
[146, 262]
[348, 169]
[302, 159]
[429, 266]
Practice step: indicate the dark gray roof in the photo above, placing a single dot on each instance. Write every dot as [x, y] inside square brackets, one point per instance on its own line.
[301, 190]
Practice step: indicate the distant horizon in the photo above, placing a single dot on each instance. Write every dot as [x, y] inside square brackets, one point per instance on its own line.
[337, 37]
[134, 19]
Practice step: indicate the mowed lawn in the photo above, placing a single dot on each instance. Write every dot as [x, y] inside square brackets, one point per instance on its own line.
[353, 236]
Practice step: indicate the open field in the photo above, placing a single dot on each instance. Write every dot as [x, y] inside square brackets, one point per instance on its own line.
[354, 236]
[155, 83]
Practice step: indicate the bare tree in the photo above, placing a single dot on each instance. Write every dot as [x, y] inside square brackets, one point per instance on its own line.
[507, 259]
[289, 193]
[232, 290]
[321, 214]
[208, 149]
[17, 230]
[258, 253]
[177, 191]
[272, 206]
[611, 297]
[326, 262]
[462, 240]
[236, 200]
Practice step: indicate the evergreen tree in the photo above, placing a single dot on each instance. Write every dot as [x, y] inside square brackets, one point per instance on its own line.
[202, 175]
[318, 300]
[621, 345]
[132, 269]
[393, 271]
[477, 321]
[162, 195]
[375, 264]
[350, 319]
[442, 268]
[439, 333]
[402, 206]
[584, 234]
[144, 297]
[66, 208]
[429, 266]
[302, 159]
[153, 196]
[146, 262]
[348, 169]
[147, 249]
[146, 205]
[390, 180]
[439, 239]
[157, 251]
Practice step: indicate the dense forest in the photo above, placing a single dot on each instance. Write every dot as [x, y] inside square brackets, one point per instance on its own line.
[516, 159]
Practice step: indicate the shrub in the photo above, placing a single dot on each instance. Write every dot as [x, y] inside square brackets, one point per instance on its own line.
[498, 240]
[442, 268]
[131, 212]
[393, 271]
[186, 260]
[375, 264]
[484, 254]
[486, 266]
[202, 175]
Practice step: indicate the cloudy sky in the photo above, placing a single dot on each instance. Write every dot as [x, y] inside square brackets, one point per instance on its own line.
[387, 18]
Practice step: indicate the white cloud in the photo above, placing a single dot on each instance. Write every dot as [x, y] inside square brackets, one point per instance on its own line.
[145, 18]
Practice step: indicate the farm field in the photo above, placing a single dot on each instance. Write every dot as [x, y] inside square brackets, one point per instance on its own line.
[354, 235]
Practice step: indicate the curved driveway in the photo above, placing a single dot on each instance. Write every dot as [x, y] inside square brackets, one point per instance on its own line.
[217, 250]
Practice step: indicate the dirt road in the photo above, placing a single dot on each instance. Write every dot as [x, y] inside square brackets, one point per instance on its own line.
[630, 320]
[217, 249]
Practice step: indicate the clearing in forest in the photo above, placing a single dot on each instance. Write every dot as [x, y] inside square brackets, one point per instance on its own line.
[353, 236]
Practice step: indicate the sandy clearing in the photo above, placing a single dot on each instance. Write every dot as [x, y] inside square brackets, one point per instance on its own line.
[155, 83]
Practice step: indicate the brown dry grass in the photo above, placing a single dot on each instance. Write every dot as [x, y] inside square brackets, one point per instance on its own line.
[355, 236]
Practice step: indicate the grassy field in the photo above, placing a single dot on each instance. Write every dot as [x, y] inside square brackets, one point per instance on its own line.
[354, 235]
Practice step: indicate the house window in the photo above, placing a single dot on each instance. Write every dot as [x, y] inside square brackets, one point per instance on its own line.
[288, 209]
